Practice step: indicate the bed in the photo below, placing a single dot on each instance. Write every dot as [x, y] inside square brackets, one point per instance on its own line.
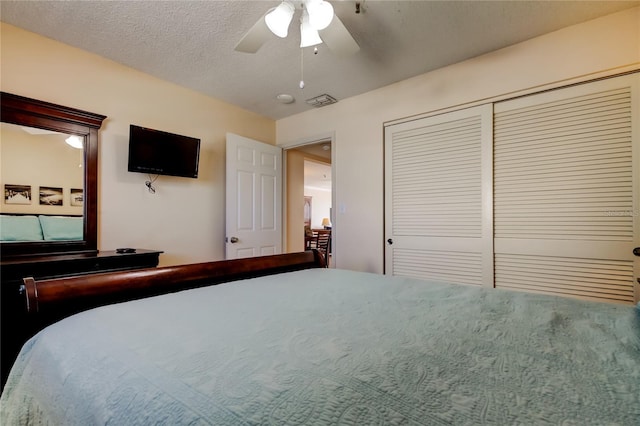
[304, 344]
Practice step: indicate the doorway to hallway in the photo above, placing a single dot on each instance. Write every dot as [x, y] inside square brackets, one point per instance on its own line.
[309, 195]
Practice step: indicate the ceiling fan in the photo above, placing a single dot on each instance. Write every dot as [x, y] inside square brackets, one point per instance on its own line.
[318, 24]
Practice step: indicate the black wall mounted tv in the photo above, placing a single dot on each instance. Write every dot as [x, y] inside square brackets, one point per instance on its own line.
[162, 153]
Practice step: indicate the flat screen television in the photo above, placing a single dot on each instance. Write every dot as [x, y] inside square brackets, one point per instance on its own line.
[162, 153]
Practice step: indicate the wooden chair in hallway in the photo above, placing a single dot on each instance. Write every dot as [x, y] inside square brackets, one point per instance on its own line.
[323, 242]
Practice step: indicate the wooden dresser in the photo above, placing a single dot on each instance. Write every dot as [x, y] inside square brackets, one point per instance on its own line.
[15, 326]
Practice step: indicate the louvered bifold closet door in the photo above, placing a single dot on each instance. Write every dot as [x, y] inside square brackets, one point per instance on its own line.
[438, 198]
[566, 191]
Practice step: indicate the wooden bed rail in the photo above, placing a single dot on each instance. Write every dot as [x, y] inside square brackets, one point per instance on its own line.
[62, 297]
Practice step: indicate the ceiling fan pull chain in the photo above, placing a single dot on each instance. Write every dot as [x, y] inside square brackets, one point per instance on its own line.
[301, 68]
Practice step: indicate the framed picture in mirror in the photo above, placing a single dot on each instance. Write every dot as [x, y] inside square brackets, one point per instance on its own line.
[50, 196]
[17, 194]
[76, 197]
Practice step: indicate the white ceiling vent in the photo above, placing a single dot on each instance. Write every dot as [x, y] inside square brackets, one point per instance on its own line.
[322, 100]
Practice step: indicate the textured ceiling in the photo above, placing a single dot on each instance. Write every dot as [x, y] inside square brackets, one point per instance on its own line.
[192, 43]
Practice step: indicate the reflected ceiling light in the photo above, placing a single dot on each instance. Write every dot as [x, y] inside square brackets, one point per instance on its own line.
[320, 13]
[75, 141]
[279, 18]
[308, 35]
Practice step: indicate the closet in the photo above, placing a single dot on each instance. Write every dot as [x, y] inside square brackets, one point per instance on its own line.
[538, 193]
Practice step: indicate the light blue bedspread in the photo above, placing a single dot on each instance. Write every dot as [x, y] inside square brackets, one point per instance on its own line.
[325, 347]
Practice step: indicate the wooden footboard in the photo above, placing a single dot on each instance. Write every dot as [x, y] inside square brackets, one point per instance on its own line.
[57, 298]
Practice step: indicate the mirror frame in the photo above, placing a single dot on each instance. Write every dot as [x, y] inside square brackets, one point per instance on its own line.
[44, 115]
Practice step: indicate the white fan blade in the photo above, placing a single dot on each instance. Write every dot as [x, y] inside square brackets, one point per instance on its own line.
[338, 39]
[254, 38]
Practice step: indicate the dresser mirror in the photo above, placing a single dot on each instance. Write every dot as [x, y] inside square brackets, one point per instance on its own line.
[49, 167]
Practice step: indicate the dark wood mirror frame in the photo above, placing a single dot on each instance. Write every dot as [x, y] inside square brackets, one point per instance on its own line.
[44, 115]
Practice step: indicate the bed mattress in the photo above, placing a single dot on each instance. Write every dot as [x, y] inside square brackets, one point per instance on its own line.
[328, 347]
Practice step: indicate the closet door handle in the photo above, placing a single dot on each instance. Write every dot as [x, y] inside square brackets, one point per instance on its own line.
[636, 251]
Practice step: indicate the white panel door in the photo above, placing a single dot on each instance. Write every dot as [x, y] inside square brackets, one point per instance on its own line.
[438, 198]
[253, 198]
[567, 185]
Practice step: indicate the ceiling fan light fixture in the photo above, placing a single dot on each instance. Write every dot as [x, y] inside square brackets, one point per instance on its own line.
[279, 18]
[75, 141]
[308, 35]
[320, 13]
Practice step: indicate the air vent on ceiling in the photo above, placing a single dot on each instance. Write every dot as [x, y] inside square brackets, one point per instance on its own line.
[322, 100]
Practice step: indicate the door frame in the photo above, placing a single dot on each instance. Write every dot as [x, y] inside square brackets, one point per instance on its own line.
[328, 137]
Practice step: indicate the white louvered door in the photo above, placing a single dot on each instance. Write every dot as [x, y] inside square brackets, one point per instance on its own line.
[438, 205]
[567, 183]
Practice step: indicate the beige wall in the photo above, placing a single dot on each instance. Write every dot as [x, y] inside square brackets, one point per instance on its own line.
[295, 201]
[185, 217]
[600, 47]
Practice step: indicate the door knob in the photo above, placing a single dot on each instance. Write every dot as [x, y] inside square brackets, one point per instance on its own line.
[234, 239]
[636, 251]
[390, 241]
